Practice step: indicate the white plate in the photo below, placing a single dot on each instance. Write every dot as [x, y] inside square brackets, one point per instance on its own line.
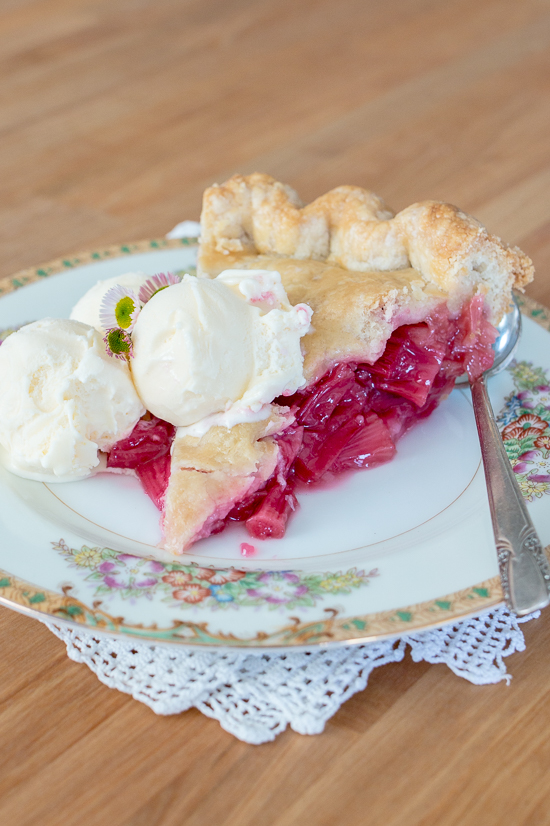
[405, 546]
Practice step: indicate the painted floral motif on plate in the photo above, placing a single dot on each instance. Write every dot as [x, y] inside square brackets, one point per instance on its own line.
[525, 427]
[131, 577]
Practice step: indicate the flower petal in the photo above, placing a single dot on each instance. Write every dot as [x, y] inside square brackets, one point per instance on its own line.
[177, 578]
[119, 308]
[204, 573]
[532, 420]
[521, 467]
[157, 283]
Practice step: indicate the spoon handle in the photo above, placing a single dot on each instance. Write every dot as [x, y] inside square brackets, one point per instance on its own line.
[524, 569]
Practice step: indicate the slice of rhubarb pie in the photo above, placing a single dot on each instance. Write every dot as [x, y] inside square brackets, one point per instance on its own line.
[402, 305]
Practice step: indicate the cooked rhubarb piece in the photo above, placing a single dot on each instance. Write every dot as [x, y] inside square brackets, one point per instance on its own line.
[410, 362]
[370, 445]
[270, 518]
[146, 451]
[154, 476]
[150, 439]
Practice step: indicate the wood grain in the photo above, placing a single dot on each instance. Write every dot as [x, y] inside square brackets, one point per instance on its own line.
[114, 116]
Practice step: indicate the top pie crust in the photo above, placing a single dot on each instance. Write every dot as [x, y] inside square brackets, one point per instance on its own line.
[362, 269]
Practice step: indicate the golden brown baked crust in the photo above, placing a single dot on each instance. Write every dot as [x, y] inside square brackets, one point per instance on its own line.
[352, 228]
[255, 214]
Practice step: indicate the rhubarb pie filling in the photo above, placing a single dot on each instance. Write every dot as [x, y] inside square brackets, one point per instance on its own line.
[349, 419]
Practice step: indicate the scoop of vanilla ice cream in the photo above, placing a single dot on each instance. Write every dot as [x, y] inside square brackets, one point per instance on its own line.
[224, 346]
[63, 399]
[87, 308]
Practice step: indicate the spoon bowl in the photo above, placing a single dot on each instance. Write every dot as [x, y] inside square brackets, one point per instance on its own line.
[509, 332]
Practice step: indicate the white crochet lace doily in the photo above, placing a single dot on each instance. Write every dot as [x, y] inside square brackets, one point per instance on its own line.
[256, 696]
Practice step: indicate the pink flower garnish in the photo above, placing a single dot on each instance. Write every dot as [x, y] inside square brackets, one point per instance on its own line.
[157, 283]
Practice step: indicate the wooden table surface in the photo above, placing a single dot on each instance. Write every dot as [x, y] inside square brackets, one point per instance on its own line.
[114, 116]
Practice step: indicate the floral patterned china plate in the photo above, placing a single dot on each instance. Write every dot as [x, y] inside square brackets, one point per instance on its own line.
[397, 548]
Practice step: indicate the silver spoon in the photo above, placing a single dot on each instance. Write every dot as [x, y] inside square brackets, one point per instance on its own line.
[524, 569]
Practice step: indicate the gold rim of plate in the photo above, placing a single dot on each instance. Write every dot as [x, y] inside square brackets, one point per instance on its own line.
[334, 629]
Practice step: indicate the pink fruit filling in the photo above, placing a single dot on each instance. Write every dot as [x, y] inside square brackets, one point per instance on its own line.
[351, 418]
[146, 451]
